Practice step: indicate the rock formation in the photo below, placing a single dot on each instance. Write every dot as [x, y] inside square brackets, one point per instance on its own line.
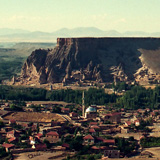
[97, 59]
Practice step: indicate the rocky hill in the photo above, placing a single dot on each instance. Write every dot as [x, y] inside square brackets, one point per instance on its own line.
[97, 59]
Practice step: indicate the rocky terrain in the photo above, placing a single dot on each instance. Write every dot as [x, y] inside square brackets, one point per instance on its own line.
[96, 59]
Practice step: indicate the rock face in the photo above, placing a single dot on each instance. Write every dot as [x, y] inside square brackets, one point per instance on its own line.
[97, 59]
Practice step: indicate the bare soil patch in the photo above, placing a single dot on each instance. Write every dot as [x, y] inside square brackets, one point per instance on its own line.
[34, 117]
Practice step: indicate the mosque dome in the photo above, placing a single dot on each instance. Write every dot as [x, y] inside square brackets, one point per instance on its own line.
[90, 109]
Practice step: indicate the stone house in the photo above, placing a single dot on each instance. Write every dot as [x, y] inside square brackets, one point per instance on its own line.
[112, 153]
[52, 137]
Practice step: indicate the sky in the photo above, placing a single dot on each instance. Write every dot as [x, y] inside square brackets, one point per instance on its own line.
[52, 15]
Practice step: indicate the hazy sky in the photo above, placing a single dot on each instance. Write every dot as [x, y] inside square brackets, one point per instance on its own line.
[51, 15]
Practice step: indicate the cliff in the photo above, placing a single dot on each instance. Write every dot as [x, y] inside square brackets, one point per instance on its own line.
[97, 59]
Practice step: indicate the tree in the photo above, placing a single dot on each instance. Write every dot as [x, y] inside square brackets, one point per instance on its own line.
[37, 127]
[1, 124]
[91, 157]
[47, 143]
[74, 143]
[56, 109]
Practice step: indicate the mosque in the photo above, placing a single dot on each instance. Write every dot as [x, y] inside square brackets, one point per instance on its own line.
[91, 112]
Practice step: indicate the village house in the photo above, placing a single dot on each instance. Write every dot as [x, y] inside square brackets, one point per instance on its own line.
[92, 132]
[40, 147]
[13, 140]
[12, 121]
[65, 110]
[112, 117]
[93, 124]
[128, 123]
[137, 122]
[73, 115]
[88, 140]
[112, 153]
[12, 134]
[109, 141]
[52, 137]
[99, 149]
[8, 146]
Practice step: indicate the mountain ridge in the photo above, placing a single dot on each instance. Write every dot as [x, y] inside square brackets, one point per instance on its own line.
[19, 35]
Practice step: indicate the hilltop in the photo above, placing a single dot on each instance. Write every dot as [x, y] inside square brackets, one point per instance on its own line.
[94, 59]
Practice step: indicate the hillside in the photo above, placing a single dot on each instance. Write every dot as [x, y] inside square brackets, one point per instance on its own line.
[97, 59]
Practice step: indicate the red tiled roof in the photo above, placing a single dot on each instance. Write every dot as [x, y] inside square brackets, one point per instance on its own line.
[95, 148]
[95, 127]
[11, 132]
[39, 135]
[99, 138]
[25, 125]
[116, 113]
[7, 145]
[152, 113]
[52, 133]
[109, 141]
[92, 130]
[103, 147]
[93, 123]
[88, 137]
[140, 110]
[98, 148]
[156, 111]
[12, 121]
[11, 139]
[128, 123]
[65, 109]
[113, 114]
[65, 145]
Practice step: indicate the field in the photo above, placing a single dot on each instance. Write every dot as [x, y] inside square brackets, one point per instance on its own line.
[34, 117]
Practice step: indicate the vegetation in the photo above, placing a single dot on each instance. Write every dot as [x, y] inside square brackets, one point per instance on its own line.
[10, 66]
[97, 96]
[139, 97]
[150, 142]
[136, 97]
[3, 153]
[125, 146]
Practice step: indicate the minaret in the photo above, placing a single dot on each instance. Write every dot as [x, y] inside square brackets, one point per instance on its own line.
[115, 80]
[83, 107]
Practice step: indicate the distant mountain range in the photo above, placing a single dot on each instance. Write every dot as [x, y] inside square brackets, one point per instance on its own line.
[20, 35]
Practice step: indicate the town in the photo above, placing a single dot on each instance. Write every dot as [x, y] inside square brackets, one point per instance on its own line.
[60, 130]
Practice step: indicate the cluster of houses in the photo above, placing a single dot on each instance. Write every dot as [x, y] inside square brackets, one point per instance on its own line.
[95, 125]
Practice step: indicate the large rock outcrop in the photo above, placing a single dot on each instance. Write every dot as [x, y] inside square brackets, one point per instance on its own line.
[97, 59]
